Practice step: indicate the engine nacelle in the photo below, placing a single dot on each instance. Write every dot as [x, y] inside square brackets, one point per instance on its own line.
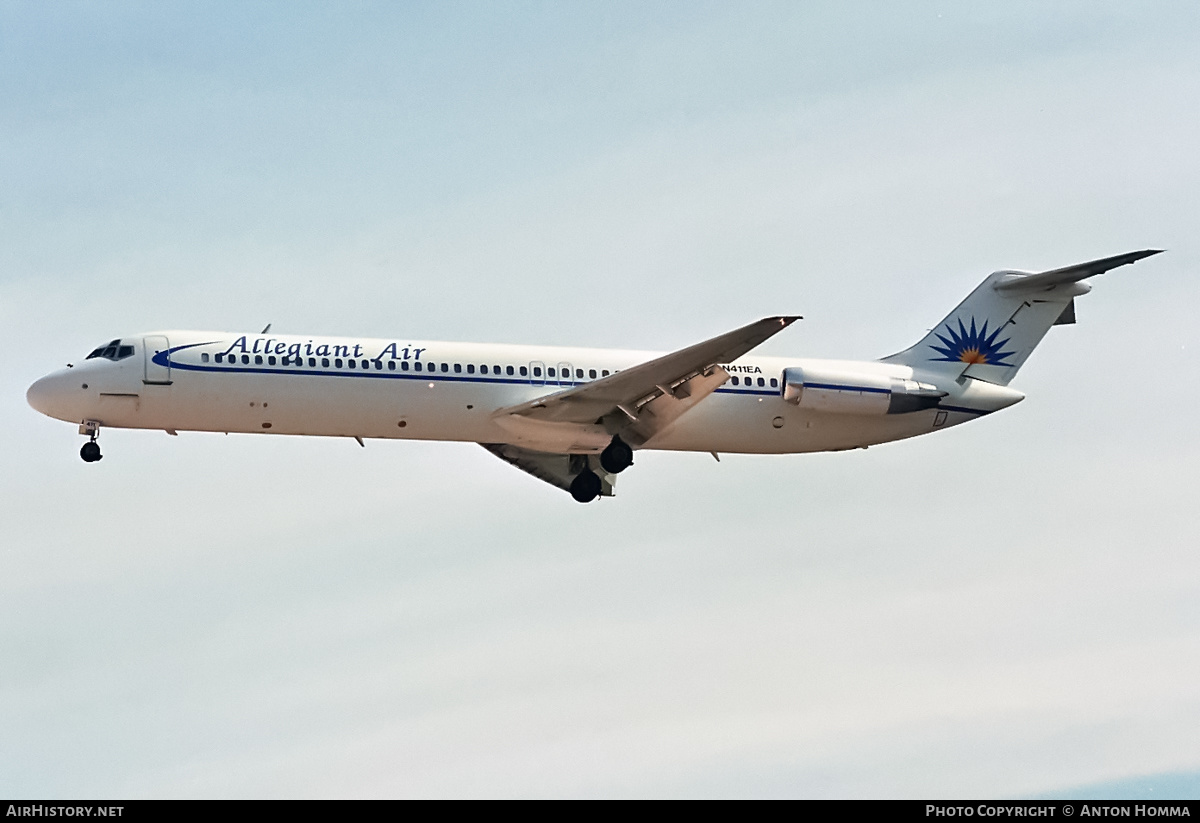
[847, 392]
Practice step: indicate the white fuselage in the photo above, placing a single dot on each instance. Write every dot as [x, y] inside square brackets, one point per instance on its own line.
[370, 388]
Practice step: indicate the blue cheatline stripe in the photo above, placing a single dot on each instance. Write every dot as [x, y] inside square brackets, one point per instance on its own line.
[163, 359]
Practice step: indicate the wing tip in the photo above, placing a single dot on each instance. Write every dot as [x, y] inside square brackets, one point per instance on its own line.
[1143, 254]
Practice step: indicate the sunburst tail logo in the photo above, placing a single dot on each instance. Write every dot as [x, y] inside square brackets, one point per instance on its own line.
[973, 346]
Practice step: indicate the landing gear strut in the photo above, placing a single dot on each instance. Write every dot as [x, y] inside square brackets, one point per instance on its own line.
[617, 456]
[586, 486]
[91, 449]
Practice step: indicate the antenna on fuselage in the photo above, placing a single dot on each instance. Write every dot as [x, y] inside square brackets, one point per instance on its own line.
[266, 329]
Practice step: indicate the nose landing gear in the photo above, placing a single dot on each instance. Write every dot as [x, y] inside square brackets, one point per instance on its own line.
[91, 449]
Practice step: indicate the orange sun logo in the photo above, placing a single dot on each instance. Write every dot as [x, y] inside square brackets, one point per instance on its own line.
[974, 346]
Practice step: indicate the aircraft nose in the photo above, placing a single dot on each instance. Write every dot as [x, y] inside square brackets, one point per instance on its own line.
[49, 395]
[40, 395]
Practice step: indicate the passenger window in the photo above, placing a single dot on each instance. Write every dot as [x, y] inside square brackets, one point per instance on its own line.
[245, 359]
[483, 369]
[762, 382]
[391, 365]
[592, 373]
[417, 365]
[366, 364]
[271, 360]
[337, 362]
[537, 371]
[579, 374]
[774, 383]
[604, 372]
[524, 371]
[312, 362]
[509, 370]
[403, 365]
[471, 368]
[549, 372]
[445, 367]
[734, 381]
[204, 358]
[352, 364]
[325, 362]
[220, 357]
[458, 368]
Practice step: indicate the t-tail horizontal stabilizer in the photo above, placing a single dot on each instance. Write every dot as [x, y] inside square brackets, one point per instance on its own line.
[1024, 282]
[991, 333]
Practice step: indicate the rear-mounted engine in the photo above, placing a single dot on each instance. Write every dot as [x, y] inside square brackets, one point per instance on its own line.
[856, 393]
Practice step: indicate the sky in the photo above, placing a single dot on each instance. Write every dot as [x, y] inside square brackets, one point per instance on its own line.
[1008, 609]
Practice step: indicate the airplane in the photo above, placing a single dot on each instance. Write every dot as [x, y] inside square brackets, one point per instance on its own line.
[573, 417]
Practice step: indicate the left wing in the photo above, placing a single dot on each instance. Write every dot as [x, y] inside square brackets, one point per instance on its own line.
[640, 401]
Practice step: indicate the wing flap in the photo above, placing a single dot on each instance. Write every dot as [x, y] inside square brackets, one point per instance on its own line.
[655, 416]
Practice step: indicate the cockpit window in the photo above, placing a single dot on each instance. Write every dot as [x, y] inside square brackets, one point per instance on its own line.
[112, 351]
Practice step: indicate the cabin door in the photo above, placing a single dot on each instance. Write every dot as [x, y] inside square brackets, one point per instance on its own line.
[156, 353]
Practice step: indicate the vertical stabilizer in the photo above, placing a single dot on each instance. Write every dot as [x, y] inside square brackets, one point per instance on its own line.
[991, 333]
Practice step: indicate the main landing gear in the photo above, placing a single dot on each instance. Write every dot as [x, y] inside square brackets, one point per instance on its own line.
[586, 486]
[616, 458]
[91, 449]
